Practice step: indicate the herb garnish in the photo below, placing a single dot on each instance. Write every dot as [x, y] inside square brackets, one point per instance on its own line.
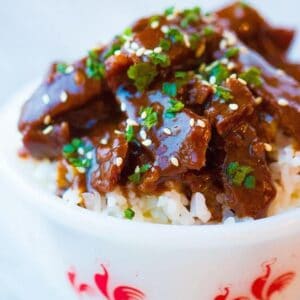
[142, 74]
[139, 170]
[208, 31]
[61, 68]
[160, 59]
[129, 213]
[169, 11]
[170, 89]
[149, 117]
[218, 70]
[252, 76]
[232, 52]
[94, 67]
[223, 93]
[165, 44]
[175, 35]
[239, 175]
[175, 107]
[77, 153]
[129, 133]
[190, 16]
[194, 38]
[112, 50]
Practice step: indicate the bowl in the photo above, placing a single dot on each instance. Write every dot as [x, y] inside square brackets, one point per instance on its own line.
[78, 254]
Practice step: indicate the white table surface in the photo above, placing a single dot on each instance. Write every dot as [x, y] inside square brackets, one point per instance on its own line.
[32, 34]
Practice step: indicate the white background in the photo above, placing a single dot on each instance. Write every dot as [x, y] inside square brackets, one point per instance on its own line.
[32, 34]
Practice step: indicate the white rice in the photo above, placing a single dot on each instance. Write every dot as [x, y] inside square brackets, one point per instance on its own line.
[173, 207]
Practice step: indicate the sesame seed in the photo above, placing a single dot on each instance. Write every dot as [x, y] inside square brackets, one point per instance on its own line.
[282, 102]
[192, 122]
[186, 41]
[280, 72]
[231, 65]
[80, 151]
[47, 120]
[134, 46]
[242, 81]
[233, 76]
[132, 122]
[230, 37]
[89, 155]
[140, 51]
[205, 82]
[46, 98]
[147, 142]
[69, 69]
[174, 161]
[258, 100]
[212, 79]
[117, 52]
[137, 169]
[243, 50]
[103, 141]
[143, 134]
[200, 123]
[81, 170]
[233, 106]
[154, 24]
[48, 129]
[116, 131]
[167, 131]
[63, 97]
[170, 17]
[223, 44]
[119, 161]
[157, 50]
[148, 52]
[164, 28]
[268, 147]
[224, 61]
[144, 115]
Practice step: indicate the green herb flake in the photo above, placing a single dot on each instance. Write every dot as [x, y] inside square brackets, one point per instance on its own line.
[61, 68]
[190, 16]
[175, 35]
[160, 59]
[94, 67]
[112, 50]
[239, 175]
[223, 93]
[169, 11]
[170, 89]
[129, 133]
[219, 71]
[181, 75]
[232, 52]
[139, 170]
[151, 117]
[208, 31]
[129, 213]
[165, 44]
[175, 107]
[142, 74]
[194, 39]
[252, 76]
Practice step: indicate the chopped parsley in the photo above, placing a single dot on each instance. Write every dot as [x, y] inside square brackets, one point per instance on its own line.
[165, 44]
[149, 117]
[139, 170]
[223, 93]
[169, 11]
[129, 213]
[112, 50]
[208, 31]
[142, 74]
[239, 175]
[190, 16]
[94, 67]
[129, 133]
[175, 35]
[252, 76]
[160, 59]
[170, 89]
[77, 153]
[232, 52]
[175, 107]
[61, 68]
[219, 71]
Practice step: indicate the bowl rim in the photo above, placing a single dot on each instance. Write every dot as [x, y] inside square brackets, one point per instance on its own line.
[142, 233]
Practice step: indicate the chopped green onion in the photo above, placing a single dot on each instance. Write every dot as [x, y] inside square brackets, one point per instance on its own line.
[165, 44]
[94, 67]
[169, 11]
[175, 35]
[170, 89]
[160, 59]
[175, 107]
[239, 175]
[223, 93]
[190, 16]
[61, 68]
[250, 182]
[112, 50]
[129, 213]
[142, 74]
[252, 76]
[181, 74]
[194, 38]
[129, 133]
[208, 31]
[151, 118]
[219, 71]
[232, 52]
[136, 176]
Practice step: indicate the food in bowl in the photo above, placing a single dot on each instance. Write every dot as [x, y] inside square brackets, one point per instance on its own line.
[184, 118]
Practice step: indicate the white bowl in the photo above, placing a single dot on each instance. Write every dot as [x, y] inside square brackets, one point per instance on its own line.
[79, 254]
